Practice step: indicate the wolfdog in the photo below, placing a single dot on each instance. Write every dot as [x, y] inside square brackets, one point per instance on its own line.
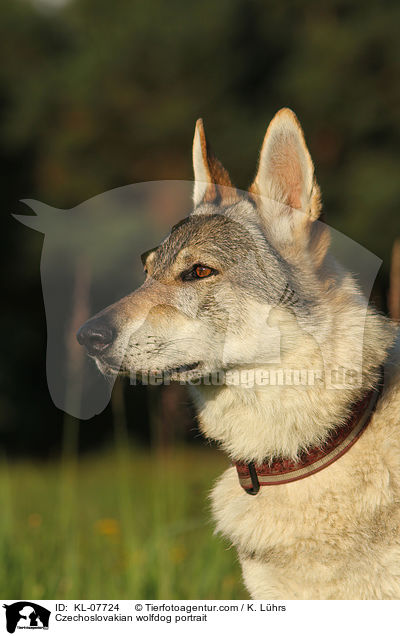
[312, 500]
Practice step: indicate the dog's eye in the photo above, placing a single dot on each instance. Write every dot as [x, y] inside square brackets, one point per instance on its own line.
[199, 271]
[202, 271]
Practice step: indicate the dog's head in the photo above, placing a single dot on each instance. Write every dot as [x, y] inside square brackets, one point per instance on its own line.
[220, 284]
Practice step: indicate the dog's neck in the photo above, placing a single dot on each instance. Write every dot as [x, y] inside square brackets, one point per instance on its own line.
[257, 423]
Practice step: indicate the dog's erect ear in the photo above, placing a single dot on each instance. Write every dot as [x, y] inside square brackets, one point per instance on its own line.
[285, 177]
[285, 171]
[211, 181]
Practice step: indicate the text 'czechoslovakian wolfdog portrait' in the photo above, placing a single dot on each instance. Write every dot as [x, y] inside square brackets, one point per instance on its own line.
[290, 370]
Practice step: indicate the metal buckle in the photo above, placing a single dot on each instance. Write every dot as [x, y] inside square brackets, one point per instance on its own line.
[254, 479]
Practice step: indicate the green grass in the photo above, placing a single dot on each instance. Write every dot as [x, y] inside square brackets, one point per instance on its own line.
[122, 525]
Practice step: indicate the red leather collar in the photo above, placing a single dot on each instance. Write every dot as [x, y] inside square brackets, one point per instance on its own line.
[283, 471]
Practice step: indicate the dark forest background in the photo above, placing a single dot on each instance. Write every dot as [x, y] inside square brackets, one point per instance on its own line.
[97, 94]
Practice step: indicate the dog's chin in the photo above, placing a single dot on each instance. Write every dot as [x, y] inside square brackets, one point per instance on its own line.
[106, 368]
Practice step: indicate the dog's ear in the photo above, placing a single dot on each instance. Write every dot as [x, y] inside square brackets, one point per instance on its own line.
[285, 171]
[211, 181]
[286, 176]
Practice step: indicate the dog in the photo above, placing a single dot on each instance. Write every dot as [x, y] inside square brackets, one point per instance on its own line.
[312, 500]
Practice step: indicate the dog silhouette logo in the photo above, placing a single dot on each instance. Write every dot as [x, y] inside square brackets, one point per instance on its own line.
[26, 615]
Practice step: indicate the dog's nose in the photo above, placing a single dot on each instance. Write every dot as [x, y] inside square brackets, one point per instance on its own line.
[96, 336]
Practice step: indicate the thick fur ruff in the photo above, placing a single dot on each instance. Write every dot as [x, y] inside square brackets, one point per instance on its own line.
[333, 535]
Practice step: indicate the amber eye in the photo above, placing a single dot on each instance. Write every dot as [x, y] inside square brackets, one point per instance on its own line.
[201, 271]
[198, 271]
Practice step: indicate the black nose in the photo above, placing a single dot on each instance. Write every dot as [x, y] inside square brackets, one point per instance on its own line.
[95, 335]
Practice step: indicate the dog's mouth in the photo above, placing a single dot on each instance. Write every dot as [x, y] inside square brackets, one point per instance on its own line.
[109, 369]
[183, 368]
[181, 372]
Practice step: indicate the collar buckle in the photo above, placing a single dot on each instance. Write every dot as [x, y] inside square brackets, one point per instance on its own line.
[254, 479]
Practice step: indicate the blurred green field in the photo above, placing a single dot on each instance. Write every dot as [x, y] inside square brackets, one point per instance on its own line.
[121, 525]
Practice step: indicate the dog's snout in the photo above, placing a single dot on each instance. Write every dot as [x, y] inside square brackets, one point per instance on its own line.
[96, 336]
